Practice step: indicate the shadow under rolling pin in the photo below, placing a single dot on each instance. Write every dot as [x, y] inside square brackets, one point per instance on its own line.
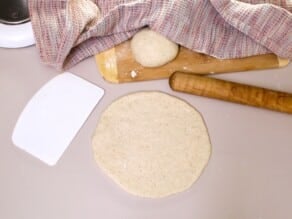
[231, 92]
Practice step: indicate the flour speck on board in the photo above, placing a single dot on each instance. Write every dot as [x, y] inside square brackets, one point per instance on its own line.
[134, 74]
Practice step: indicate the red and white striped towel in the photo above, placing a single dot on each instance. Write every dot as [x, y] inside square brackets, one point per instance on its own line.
[68, 31]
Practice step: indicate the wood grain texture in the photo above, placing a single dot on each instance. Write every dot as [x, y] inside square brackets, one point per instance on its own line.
[117, 65]
[231, 91]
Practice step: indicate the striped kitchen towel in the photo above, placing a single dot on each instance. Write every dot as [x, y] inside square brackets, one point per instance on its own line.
[68, 31]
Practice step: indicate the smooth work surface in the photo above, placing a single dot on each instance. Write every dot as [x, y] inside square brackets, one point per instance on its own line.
[249, 174]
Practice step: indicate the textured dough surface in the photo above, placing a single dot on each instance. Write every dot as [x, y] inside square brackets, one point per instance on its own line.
[151, 144]
[151, 49]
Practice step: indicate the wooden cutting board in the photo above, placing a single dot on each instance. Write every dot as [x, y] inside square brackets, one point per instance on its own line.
[117, 65]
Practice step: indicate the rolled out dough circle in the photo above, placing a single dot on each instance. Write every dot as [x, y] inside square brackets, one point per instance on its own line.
[151, 49]
[151, 144]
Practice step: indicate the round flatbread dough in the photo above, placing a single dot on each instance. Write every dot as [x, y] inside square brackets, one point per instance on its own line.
[151, 49]
[151, 144]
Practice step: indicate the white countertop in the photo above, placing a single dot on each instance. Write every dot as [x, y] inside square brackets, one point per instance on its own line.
[249, 174]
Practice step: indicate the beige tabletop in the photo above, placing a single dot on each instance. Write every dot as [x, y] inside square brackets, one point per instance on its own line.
[249, 175]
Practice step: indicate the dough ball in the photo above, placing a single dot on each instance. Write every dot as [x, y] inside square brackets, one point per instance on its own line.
[151, 49]
[151, 144]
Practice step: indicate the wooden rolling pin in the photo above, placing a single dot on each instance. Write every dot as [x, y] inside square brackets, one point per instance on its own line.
[118, 65]
[231, 91]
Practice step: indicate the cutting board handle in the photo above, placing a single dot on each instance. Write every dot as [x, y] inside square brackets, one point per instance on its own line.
[231, 91]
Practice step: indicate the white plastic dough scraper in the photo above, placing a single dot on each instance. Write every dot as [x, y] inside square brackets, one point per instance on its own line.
[54, 115]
